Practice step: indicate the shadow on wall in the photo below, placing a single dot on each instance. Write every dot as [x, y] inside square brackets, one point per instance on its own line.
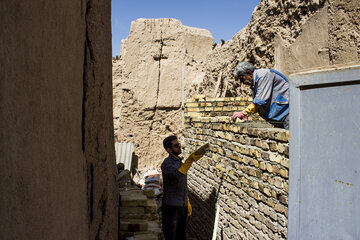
[201, 223]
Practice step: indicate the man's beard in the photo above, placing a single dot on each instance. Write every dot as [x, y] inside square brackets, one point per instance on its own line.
[175, 153]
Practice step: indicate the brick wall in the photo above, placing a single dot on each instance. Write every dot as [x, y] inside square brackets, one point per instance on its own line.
[245, 172]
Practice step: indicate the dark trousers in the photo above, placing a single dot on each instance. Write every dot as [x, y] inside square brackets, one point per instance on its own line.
[174, 222]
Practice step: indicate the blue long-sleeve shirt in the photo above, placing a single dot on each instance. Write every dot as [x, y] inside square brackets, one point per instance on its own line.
[271, 94]
[175, 183]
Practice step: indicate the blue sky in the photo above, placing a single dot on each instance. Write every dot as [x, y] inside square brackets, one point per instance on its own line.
[222, 18]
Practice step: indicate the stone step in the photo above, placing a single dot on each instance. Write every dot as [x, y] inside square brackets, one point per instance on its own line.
[132, 210]
[133, 200]
[133, 191]
[136, 216]
[133, 225]
[144, 216]
[150, 193]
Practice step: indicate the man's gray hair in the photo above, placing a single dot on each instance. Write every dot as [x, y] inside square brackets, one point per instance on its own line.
[242, 68]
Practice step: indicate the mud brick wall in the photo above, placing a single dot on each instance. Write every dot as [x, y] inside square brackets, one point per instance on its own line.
[57, 156]
[245, 172]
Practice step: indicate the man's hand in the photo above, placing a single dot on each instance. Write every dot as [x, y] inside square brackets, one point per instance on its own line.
[201, 151]
[240, 115]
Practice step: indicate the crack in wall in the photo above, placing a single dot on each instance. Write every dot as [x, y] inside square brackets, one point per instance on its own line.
[159, 75]
[88, 53]
[102, 206]
[85, 86]
[87, 67]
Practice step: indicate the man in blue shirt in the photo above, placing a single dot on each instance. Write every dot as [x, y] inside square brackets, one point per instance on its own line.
[175, 204]
[271, 94]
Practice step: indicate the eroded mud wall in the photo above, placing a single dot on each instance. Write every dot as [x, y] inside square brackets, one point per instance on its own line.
[160, 60]
[330, 36]
[344, 31]
[288, 36]
[57, 168]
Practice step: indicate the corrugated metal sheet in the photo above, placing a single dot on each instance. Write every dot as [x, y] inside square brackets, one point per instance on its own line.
[324, 199]
[124, 152]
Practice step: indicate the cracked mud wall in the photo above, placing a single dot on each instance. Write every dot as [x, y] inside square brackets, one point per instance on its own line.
[57, 168]
[97, 122]
[160, 60]
[330, 36]
[289, 36]
[344, 31]
[270, 20]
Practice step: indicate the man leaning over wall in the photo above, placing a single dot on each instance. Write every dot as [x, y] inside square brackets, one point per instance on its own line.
[271, 94]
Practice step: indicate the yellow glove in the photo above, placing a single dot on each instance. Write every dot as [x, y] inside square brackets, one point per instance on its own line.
[193, 158]
[250, 109]
[187, 164]
[189, 208]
